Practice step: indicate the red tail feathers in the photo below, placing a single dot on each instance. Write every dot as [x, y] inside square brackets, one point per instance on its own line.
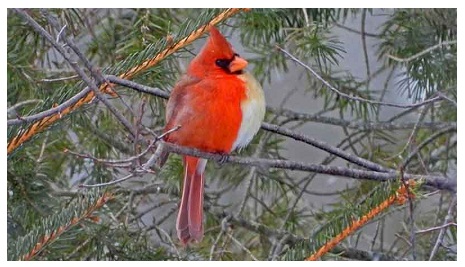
[189, 223]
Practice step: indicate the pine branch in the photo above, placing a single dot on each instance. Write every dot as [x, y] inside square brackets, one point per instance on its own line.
[399, 197]
[43, 123]
[342, 218]
[291, 239]
[56, 225]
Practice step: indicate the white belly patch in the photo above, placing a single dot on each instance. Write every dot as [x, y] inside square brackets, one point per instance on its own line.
[253, 111]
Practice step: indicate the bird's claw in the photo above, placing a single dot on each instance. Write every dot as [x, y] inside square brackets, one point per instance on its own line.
[224, 158]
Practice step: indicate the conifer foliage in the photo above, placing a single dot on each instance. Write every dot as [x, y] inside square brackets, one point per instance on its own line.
[86, 99]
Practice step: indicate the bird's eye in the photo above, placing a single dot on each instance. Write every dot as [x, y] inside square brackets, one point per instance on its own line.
[222, 63]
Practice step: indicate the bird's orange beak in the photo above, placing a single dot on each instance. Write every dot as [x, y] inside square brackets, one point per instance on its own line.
[237, 64]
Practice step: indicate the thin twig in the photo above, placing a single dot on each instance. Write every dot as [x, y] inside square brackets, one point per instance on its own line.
[59, 33]
[359, 125]
[249, 179]
[431, 229]
[96, 75]
[13, 108]
[423, 52]
[426, 142]
[61, 79]
[129, 176]
[94, 72]
[365, 49]
[153, 207]
[279, 247]
[414, 131]
[355, 98]
[292, 239]
[373, 35]
[138, 123]
[215, 244]
[442, 232]
[308, 181]
[441, 94]
[144, 168]
[169, 240]
[242, 247]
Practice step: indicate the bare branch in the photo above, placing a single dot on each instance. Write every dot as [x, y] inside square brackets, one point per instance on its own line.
[117, 181]
[365, 49]
[322, 145]
[447, 219]
[137, 86]
[438, 182]
[414, 131]
[144, 168]
[359, 125]
[73, 100]
[13, 108]
[372, 35]
[61, 79]
[426, 142]
[431, 229]
[423, 52]
[355, 98]
[242, 247]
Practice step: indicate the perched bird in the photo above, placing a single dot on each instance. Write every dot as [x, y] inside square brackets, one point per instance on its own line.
[219, 107]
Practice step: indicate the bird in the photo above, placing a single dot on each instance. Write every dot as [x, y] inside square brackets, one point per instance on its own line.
[218, 107]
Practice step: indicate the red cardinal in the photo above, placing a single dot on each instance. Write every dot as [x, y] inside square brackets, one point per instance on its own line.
[219, 107]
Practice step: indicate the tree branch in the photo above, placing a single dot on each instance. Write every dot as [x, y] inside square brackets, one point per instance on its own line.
[58, 109]
[359, 125]
[447, 219]
[438, 182]
[380, 174]
[137, 86]
[355, 98]
[291, 239]
[426, 142]
[323, 146]
[39, 126]
[423, 52]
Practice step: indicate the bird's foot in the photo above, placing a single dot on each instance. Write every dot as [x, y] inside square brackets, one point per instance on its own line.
[224, 158]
